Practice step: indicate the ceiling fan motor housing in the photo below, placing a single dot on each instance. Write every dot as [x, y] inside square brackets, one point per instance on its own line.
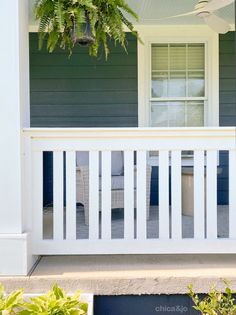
[203, 14]
[201, 4]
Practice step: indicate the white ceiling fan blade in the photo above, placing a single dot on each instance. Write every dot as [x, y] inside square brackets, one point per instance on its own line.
[217, 4]
[217, 24]
[175, 16]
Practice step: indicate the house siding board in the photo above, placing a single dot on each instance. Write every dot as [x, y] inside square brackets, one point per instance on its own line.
[81, 91]
[227, 108]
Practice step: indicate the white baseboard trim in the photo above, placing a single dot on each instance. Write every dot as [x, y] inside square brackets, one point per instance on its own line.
[16, 254]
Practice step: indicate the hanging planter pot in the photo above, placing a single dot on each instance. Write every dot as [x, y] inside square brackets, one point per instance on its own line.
[87, 38]
[84, 22]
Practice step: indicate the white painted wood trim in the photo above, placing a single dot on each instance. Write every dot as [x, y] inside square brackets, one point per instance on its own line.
[106, 195]
[147, 246]
[140, 140]
[141, 195]
[93, 195]
[58, 196]
[211, 195]
[232, 194]
[141, 132]
[129, 195]
[164, 218]
[199, 195]
[70, 195]
[176, 195]
[37, 191]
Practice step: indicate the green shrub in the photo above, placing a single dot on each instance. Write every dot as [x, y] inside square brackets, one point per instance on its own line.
[54, 302]
[10, 304]
[215, 302]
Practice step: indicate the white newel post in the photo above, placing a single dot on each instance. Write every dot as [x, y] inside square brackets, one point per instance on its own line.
[15, 256]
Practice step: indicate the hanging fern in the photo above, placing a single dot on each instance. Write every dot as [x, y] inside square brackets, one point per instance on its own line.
[62, 18]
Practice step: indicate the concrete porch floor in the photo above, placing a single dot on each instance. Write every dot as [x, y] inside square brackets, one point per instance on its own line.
[128, 274]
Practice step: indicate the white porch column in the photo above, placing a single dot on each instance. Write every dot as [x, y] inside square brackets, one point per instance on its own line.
[14, 115]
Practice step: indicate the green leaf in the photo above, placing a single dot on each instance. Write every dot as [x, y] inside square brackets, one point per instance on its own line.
[2, 291]
[14, 298]
[59, 293]
[215, 303]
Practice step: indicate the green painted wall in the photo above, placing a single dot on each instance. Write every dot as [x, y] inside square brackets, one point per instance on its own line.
[227, 80]
[83, 91]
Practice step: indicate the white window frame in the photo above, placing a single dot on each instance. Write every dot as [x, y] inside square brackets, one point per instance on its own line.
[151, 34]
[174, 34]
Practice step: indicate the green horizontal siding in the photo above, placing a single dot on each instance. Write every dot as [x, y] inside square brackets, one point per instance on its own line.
[83, 91]
[227, 80]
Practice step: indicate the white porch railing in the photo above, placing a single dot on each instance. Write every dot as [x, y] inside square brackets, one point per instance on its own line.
[170, 143]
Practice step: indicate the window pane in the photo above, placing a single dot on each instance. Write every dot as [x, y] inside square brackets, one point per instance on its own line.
[159, 84]
[196, 57]
[178, 57]
[176, 114]
[196, 84]
[159, 115]
[168, 114]
[177, 84]
[160, 57]
[195, 114]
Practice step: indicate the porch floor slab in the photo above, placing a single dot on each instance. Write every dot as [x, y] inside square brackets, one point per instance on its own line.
[128, 274]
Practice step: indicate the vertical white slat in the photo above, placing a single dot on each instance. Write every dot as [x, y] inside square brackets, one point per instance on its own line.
[141, 195]
[232, 194]
[37, 200]
[106, 195]
[70, 196]
[211, 195]
[93, 195]
[176, 198]
[27, 187]
[58, 207]
[128, 194]
[199, 192]
[164, 217]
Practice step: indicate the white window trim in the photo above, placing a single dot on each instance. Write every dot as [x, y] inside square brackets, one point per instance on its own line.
[174, 34]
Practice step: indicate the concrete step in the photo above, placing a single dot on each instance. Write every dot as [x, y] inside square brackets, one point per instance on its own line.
[128, 274]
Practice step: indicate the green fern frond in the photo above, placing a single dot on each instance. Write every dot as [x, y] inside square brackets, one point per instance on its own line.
[60, 18]
[52, 40]
[80, 19]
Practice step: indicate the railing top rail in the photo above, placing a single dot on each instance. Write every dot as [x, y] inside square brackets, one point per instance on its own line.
[144, 132]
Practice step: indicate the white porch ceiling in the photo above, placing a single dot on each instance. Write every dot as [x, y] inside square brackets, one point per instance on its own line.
[150, 11]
